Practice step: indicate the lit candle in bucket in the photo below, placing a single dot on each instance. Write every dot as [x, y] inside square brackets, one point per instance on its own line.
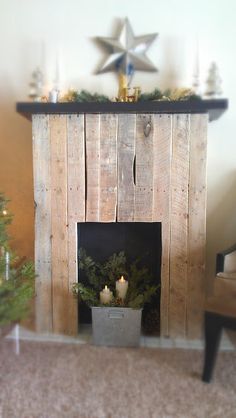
[106, 296]
[121, 288]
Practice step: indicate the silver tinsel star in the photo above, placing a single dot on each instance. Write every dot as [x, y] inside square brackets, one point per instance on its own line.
[128, 52]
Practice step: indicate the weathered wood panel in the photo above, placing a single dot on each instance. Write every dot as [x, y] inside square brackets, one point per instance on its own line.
[162, 150]
[179, 226]
[58, 131]
[42, 197]
[197, 225]
[76, 206]
[92, 167]
[108, 168]
[126, 160]
[76, 167]
[164, 171]
[144, 168]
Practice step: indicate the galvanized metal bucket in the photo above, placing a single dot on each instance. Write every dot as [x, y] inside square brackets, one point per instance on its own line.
[120, 327]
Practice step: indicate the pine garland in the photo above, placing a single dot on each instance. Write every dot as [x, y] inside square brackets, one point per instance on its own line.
[84, 96]
[171, 95]
[156, 94]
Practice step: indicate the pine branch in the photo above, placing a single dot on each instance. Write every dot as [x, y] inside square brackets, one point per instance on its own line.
[88, 295]
[140, 290]
[175, 95]
[156, 94]
[15, 293]
[84, 96]
[112, 270]
[100, 274]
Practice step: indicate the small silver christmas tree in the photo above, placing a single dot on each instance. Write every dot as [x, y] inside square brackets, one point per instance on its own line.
[36, 85]
[213, 82]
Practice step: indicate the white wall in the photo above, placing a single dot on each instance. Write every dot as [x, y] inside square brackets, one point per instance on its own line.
[31, 33]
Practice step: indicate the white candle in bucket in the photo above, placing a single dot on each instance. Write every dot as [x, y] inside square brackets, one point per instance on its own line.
[121, 288]
[106, 296]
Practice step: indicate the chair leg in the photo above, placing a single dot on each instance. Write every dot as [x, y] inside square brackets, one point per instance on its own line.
[213, 329]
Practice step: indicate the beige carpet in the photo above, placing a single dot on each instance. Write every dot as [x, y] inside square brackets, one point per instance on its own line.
[81, 381]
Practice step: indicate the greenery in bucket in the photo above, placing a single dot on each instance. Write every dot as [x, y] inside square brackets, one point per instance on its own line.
[98, 275]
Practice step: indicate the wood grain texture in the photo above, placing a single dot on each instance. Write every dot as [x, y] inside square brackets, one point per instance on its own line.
[179, 226]
[76, 206]
[162, 150]
[99, 151]
[58, 131]
[126, 159]
[108, 168]
[92, 129]
[42, 197]
[144, 169]
[197, 225]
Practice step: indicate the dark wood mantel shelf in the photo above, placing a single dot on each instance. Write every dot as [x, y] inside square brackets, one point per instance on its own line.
[215, 107]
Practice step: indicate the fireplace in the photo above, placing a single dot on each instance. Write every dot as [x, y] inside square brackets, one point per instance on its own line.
[120, 163]
[141, 244]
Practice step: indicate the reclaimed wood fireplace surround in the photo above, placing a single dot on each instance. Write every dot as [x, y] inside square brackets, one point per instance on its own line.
[119, 162]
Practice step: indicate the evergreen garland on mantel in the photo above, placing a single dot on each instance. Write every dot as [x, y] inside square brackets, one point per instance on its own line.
[84, 96]
[156, 94]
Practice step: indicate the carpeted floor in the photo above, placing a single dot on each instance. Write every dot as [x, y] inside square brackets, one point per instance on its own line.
[52, 380]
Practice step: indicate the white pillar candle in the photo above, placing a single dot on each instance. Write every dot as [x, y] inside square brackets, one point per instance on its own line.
[121, 288]
[106, 296]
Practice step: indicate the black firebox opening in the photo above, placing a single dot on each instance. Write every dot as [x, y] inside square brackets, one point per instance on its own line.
[138, 240]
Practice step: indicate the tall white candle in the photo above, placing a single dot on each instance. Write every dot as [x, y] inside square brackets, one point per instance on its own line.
[106, 296]
[121, 288]
[57, 71]
[196, 72]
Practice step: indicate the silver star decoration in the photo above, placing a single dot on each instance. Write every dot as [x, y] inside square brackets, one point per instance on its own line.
[128, 52]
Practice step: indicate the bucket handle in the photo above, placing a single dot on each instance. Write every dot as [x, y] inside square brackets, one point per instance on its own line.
[115, 315]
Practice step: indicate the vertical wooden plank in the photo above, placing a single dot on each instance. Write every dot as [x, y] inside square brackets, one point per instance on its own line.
[42, 197]
[76, 206]
[59, 222]
[92, 128]
[126, 154]
[58, 191]
[108, 168]
[197, 225]
[179, 226]
[162, 149]
[144, 168]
